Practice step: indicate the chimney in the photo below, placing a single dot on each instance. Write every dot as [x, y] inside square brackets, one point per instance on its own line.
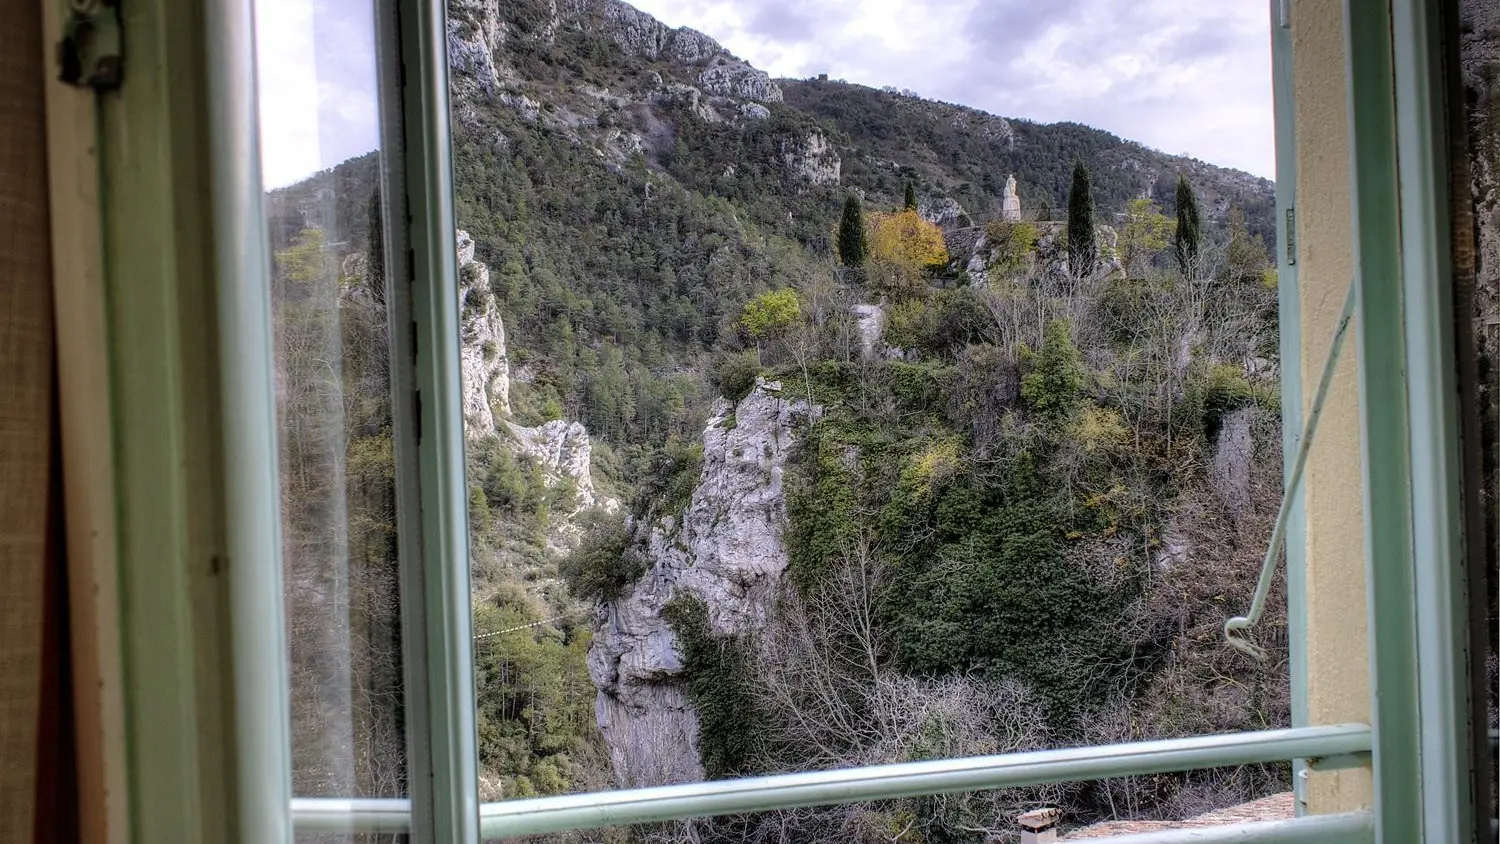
[1039, 826]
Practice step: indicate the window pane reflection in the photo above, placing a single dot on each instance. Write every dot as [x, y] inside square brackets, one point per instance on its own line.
[320, 108]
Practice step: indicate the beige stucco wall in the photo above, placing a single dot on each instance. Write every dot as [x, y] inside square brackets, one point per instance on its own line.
[1337, 642]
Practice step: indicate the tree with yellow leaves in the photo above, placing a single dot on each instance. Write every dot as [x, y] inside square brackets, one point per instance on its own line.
[902, 247]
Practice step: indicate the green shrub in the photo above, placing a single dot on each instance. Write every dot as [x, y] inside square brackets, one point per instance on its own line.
[920, 387]
[604, 563]
[821, 509]
[1225, 388]
[1013, 242]
[909, 324]
[832, 381]
[671, 479]
[733, 375]
[1054, 386]
[1218, 389]
[983, 582]
[534, 702]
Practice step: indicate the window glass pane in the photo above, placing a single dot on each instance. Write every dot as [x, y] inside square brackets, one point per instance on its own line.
[319, 111]
[803, 433]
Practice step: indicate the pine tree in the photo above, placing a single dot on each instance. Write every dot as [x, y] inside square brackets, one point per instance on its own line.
[1188, 225]
[1083, 251]
[911, 196]
[852, 245]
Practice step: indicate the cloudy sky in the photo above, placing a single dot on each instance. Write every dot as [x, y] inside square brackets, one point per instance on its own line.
[1184, 76]
[315, 65]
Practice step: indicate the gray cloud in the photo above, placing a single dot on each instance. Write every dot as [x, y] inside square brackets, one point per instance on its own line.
[1181, 75]
[316, 73]
[1004, 23]
[787, 20]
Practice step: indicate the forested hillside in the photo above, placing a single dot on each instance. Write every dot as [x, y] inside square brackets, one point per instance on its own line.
[809, 432]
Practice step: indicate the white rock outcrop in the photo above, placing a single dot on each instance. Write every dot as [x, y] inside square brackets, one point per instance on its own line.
[870, 320]
[754, 111]
[812, 158]
[942, 211]
[474, 35]
[676, 93]
[733, 78]
[726, 549]
[564, 451]
[637, 33]
[486, 367]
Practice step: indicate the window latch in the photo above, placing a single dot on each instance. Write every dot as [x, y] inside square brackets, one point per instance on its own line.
[91, 52]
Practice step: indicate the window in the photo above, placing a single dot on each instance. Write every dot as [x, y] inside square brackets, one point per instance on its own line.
[418, 678]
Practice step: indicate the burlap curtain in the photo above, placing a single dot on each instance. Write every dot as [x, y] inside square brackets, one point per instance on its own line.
[35, 717]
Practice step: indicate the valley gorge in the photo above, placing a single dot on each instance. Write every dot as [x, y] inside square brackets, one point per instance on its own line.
[740, 506]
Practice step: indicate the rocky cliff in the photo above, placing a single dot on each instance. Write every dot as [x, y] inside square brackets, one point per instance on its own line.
[725, 548]
[562, 449]
[486, 365]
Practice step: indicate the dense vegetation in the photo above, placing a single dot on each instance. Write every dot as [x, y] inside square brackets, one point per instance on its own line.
[1008, 529]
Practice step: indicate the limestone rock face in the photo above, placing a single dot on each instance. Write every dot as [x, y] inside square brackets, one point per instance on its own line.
[474, 35]
[871, 322]
[676, 93]
[726, 549]
[732, 78]
[530, 110]
[812, 158]
[978, 266]
[486, 368]
[564, 451]
[1480, 59]
[942, 211]
[637, 33]
[1010, 203]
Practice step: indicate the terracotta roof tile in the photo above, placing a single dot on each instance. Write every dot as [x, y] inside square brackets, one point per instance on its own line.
[1275, 807]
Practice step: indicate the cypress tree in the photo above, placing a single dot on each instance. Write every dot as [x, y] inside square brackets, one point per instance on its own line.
[1189, 224]
[1083, 252]
[851, 242]
[911, 197]
[376, 257]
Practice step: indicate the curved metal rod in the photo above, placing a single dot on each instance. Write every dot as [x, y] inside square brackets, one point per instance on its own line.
[1293, 483]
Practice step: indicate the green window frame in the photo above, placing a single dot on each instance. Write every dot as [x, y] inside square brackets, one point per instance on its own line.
[198, 764]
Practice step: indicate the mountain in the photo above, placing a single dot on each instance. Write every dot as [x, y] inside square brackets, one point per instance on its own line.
[738, 507]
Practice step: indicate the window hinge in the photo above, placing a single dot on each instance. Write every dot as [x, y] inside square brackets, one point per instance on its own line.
[1291, 235]
[91, 53]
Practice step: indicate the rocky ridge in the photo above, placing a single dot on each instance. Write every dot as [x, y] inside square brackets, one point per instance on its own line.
[693, 69]
[726, 549]
[563, 449]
